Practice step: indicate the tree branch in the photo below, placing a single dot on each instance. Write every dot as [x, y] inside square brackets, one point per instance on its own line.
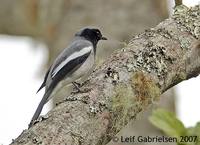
[127, 83]
[178, 2]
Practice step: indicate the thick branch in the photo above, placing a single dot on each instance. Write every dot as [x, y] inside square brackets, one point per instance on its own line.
[127, 83]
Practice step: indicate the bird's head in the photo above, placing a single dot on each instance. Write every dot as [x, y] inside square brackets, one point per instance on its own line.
[91, 34]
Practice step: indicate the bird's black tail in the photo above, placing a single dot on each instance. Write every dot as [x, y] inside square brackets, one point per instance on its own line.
[40, 106]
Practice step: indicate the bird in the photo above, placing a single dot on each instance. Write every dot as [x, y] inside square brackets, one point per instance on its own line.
[73, 63]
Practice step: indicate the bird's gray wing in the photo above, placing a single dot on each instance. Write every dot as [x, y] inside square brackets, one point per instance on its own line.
[78, 53]
[62, 60]
[77, 49]
[68, 61]
[67, 69]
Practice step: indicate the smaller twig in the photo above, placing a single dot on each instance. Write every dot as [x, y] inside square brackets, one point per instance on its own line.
[178, 2]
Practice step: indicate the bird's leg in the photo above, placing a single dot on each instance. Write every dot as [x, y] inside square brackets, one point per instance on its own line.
[77, 86]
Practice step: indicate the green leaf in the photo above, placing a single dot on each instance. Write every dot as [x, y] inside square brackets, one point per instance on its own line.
[195, 131]
[168, 123]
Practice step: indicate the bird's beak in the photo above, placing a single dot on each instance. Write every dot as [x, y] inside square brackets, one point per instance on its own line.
[103, 38]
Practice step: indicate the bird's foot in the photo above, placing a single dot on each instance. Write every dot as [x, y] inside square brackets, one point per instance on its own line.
[77, 84]
[77, 89]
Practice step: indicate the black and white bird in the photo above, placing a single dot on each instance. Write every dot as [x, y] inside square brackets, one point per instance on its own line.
[73, 63]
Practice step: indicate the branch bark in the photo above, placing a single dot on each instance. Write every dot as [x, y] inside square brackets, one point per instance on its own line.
[127, 83]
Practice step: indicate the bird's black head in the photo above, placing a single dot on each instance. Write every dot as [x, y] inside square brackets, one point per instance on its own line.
[93, 35]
